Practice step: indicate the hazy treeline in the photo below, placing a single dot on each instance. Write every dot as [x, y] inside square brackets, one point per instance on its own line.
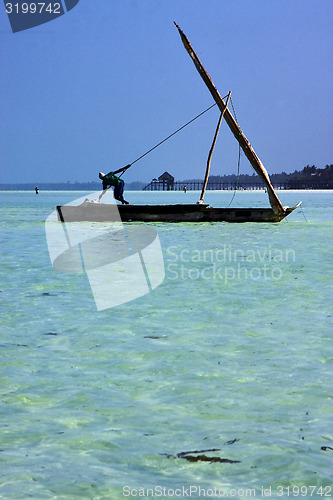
[310, 177]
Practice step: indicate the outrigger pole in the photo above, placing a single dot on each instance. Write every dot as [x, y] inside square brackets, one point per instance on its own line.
[211, 152]
[235, 129]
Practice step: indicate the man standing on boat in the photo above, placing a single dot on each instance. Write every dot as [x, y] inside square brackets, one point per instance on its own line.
[111, 179]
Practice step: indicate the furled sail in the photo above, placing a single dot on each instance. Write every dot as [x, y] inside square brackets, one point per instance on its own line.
[235, 129]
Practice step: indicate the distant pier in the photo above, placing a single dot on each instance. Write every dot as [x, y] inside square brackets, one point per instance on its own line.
[171, 185]
[211, 186]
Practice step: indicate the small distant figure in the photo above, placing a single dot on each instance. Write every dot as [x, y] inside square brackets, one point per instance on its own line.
[184, 189]
[111, 180]
[37, 189]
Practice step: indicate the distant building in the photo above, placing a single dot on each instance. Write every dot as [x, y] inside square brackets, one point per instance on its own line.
[167, 181]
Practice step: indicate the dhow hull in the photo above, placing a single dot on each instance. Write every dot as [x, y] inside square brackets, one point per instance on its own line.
[95, 212]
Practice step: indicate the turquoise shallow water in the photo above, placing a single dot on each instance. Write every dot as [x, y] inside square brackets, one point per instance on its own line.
[233, 351]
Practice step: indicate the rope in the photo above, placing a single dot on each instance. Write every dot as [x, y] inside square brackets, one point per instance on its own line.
[239, 158]
[233, 109]
[306, 220]
[169, 136]
[237, 178]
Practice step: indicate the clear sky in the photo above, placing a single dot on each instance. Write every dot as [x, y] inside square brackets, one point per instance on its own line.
[94, 89]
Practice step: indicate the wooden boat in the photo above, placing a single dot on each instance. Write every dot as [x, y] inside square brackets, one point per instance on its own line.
[96, 212]
[199, 212]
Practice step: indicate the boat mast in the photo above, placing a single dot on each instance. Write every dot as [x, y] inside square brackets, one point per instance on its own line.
[211, 151]
[235, 129]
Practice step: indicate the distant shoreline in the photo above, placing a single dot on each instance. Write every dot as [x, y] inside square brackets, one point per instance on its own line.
[13, 187]
[309, 178]
[56, 186]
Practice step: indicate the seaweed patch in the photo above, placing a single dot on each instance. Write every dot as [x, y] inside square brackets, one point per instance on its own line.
[199, 456]
[232, 441]
[154, 337]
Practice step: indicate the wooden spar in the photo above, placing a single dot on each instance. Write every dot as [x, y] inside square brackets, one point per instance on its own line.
[211, 151]
[235, 129]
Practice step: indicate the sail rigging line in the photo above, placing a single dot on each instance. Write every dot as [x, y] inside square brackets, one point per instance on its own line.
[234, 111]
[237, 178]
[239, 158]
[301, 208]
[169, 136]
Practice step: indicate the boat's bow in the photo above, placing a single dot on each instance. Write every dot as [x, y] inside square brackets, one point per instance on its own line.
[288, 210]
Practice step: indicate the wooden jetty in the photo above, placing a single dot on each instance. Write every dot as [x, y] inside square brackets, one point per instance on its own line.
[197, 185]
